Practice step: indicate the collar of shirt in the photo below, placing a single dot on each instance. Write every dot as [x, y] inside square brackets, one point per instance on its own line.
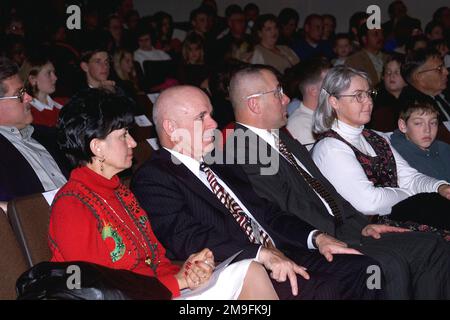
[42, 106]
[305, 109]
[22, 134]
[192, 164]
[264, 134]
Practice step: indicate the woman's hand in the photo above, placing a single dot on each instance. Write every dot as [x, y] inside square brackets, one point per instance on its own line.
[197, 270]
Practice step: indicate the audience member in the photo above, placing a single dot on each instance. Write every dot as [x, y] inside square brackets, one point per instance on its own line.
[318, 203]
[386, 105]
[415, 140]
[267, 51]
[370, 58]
[214, 206]
[95, 218]
[39, 77]
[310, 75]
[30, 161]
[362, 165]
[426, 75]
[312, 44]
[342, 47]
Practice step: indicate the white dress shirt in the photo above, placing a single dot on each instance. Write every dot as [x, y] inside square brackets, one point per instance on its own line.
[339, 165]
[300, 125]
[194, 166]
[50, 105]
[270, 139]
[37, 156]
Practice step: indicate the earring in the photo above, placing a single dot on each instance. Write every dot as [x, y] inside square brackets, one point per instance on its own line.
[101, 164]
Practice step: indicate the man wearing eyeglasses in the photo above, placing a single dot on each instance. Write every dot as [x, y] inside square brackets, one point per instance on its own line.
[427, 77]
[411, 262]
[26, 165]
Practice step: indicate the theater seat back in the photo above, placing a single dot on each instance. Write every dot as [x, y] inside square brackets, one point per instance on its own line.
[29, 217]
[12, 262]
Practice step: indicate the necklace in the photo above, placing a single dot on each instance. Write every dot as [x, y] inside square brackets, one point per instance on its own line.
[146, 244]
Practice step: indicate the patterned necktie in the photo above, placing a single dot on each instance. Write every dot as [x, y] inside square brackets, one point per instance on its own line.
[235, 209]
[313, 182]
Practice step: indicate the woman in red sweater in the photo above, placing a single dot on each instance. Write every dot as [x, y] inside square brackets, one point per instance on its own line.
[95, 218]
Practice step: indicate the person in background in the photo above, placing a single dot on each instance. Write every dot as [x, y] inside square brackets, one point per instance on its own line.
[39, 77]
[312, 45]
[31, 161]
[163, 35]
[125, 73]
[415, 140]
[386, 106]
[193, 70]
[267, 51]
[251, 11]
[300, 122]
[342, 47]
[434, 31]
[329, 27]
[288, 23]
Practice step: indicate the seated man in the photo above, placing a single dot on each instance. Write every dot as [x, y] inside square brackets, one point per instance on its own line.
[193, 205]
[30, 161]
[415, 140]
[310, 77]
[299, 188]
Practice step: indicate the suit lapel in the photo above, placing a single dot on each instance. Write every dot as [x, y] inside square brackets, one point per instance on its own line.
[185, 176]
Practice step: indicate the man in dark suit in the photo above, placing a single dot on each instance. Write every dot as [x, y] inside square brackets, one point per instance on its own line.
[427, 78]
[412, 262]
[30, 161]
[192, 205]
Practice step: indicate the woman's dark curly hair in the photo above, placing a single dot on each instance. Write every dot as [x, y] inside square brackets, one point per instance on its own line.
[91, 114]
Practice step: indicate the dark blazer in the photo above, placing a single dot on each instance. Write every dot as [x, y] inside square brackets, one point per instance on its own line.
[17, 177]
[290, 191]
[187, 217]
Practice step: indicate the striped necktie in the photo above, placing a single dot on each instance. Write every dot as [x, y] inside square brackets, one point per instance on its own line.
[235, 209]
[313, 182]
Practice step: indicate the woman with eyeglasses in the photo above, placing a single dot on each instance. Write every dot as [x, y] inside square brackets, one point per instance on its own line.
[362, 165]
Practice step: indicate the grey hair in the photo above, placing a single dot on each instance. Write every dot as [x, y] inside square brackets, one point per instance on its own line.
[337, 80]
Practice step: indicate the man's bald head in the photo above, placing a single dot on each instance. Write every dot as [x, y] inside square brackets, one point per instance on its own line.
[173, 103]
[181, 114]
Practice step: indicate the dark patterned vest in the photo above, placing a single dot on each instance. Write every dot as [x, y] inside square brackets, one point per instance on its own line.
[381, 170]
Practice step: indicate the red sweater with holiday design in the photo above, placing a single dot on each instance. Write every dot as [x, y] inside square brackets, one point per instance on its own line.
[98, 220]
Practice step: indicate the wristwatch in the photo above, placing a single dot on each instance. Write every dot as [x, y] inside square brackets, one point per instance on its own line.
[314, 238]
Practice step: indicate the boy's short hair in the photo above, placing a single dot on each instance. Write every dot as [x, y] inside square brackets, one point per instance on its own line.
[423, 107]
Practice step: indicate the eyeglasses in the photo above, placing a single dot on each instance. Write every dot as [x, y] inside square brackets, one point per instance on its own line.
[440, 69]
[361, 96]
[20, 95]
[278, 92]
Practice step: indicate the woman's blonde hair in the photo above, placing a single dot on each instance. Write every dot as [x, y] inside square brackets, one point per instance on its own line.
[118, 56]
[32, 68]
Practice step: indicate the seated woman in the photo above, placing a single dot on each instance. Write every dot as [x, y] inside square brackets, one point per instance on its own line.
[387, 105]
[267, 51]
[38, 75]
[95, 218]
[125, 74]
[362, 165]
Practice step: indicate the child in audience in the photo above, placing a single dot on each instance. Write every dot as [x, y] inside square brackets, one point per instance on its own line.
[39, 77]
[416, 141]
[342, 47]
